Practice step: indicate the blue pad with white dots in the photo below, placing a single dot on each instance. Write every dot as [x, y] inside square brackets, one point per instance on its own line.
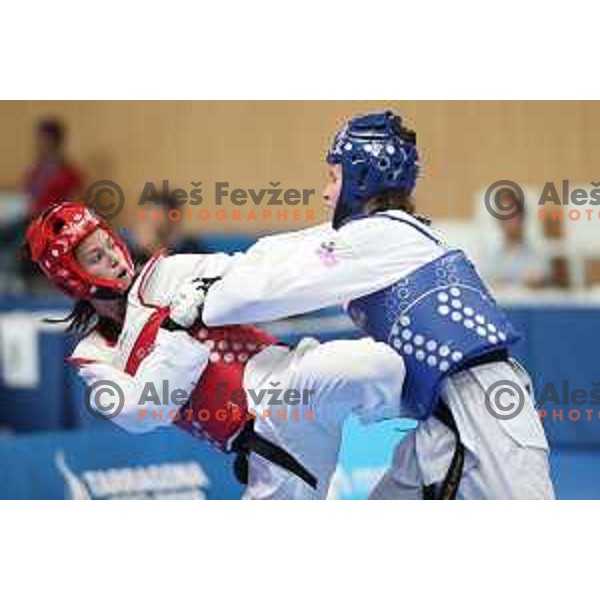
[438, 318]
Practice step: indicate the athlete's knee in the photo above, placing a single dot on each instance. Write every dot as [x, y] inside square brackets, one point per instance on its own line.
[376, 375]
[357, 364]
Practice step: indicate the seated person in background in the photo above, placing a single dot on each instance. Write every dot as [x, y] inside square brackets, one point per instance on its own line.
[152, 230]
[514, 262]
[52, 178]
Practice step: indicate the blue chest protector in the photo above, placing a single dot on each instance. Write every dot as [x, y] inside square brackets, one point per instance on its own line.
[437, 318]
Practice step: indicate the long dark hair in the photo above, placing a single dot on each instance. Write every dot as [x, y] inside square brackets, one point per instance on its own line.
[394, 200]
[84, 318]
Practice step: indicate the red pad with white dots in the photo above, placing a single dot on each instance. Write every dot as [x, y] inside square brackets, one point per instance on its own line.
[218, 406]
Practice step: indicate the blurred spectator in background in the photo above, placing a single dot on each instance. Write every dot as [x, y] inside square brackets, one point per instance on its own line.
[52, 178]
[152, 230]
[514, 262]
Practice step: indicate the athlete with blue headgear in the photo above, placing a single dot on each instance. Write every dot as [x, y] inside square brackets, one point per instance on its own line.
[479, 435]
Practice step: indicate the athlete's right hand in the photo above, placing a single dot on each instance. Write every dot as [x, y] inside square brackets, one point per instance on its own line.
[186, 305]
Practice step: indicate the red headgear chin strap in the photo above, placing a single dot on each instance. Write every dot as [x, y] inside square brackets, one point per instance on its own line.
[53, 237]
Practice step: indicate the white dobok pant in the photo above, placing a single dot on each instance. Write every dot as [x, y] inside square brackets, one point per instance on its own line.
[504, 458]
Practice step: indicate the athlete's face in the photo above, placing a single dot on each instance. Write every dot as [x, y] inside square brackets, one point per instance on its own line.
[101, 257]
[333, 186]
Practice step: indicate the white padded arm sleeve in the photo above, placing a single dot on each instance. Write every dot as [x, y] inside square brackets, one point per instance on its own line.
[177, 358]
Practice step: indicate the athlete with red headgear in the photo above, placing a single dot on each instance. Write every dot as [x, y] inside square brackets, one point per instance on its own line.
[139, 333]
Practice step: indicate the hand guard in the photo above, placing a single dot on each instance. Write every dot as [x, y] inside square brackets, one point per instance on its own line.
[186, 306]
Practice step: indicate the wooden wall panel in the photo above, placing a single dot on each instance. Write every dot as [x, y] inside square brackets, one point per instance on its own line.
[465, 145]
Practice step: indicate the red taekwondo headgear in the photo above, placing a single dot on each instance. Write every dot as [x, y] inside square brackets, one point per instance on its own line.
[53, 237]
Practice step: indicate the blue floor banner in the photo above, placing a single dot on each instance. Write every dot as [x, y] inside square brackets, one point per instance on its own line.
[109, 465]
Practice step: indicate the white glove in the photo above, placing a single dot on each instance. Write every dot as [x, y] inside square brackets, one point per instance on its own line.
[186, 305]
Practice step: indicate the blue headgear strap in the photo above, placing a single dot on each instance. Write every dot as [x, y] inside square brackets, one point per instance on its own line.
[377, 153]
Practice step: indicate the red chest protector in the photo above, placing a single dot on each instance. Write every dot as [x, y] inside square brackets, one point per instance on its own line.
[211, 412]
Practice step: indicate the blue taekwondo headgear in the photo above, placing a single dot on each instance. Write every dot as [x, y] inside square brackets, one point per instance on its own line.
[376, 153]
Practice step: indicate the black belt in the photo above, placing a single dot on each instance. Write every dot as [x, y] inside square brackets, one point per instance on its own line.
[449, 487]
[250, 441]
[489, 357]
